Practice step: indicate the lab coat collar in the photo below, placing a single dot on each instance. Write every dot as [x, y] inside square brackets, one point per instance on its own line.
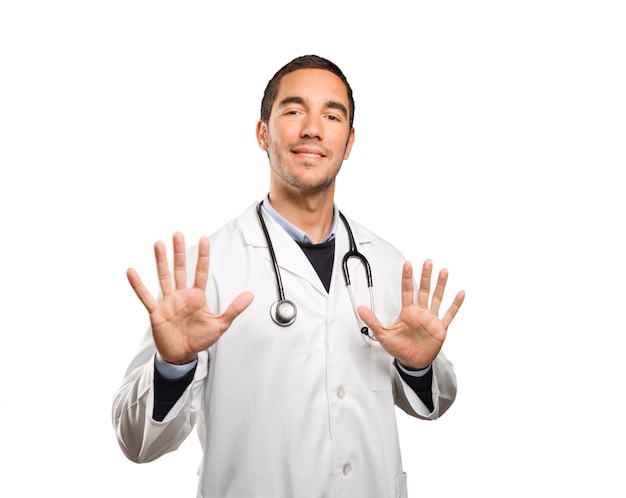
[296, 233]
[290, 258]
[289, 255]
[253, 234]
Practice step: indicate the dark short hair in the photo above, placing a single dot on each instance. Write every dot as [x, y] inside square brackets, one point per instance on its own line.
[303, 62]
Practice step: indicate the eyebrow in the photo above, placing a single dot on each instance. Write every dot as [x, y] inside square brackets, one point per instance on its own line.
[331, 104]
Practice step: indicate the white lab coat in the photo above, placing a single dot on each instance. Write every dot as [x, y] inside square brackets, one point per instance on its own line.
[301, 411]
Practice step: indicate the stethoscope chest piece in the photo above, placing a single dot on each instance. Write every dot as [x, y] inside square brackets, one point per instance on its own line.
[283, 312]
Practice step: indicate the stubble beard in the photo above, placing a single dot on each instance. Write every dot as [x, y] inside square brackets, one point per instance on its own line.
[293, 183]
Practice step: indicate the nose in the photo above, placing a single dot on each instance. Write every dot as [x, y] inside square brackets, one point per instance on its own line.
[312, 127]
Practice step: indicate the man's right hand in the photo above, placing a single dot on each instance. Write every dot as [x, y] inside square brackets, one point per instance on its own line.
[182, 324]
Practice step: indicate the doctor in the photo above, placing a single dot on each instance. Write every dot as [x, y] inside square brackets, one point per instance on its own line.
[304, 409]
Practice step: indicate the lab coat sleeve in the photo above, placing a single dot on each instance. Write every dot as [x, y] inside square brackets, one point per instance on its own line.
[142, 438]
[443, 388]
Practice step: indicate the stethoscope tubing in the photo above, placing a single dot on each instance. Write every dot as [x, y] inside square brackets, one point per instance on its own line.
[284, 311]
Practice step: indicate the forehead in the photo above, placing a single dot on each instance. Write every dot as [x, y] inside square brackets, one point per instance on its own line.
[312, 85]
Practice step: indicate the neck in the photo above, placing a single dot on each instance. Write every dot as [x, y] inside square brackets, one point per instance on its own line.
[311, 213]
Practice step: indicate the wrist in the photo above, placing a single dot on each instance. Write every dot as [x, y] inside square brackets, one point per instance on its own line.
[411, 368]
[179, 362]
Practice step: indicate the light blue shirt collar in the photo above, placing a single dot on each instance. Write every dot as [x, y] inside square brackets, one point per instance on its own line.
[294, 232]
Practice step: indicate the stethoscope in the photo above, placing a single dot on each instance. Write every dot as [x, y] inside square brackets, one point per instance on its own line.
[283, 311]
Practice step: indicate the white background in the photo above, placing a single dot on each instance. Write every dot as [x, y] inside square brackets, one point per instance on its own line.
[490, 138]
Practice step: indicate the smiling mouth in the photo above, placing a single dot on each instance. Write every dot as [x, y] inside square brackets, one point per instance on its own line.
[308, 152]
[309, 155]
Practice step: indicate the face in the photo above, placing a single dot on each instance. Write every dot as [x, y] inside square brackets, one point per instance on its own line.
[308, 135]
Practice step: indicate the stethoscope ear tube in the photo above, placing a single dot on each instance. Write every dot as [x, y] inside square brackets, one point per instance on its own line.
[354, 253]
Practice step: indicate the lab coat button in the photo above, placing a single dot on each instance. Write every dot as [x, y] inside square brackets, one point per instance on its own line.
[347, 469]
[341, 393]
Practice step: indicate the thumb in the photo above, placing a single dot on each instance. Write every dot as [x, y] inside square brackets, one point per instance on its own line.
[369, 319]
[236, 307]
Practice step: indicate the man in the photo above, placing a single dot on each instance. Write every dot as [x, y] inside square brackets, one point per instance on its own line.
[298, 409]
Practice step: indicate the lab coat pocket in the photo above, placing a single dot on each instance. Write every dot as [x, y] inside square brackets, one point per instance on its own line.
[401, 489]
[381, 362]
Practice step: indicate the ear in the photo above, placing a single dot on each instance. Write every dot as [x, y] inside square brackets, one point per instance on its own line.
[261, 135]
[349, 144]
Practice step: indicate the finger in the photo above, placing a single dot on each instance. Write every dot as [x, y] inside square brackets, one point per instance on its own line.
[180, 261]
[439, 290]
[163, 269]
[235, 308]
[202, 266]
[140, 289]
[407, 284]
[453, 310]
[424, 291]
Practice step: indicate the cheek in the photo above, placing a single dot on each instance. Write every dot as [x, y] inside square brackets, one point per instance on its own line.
[346, 153]
[348, 146]
[275, 152]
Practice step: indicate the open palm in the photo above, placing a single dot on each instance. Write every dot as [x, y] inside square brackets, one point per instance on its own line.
[182, 324]
[416, 337]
